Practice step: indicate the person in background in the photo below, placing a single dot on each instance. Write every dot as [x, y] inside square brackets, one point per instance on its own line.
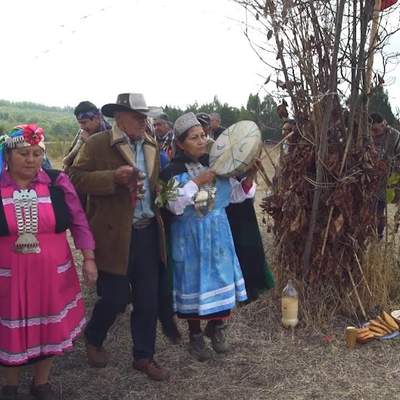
[205, 122]
[288, 128]
[119, 170]
[164, 134]
[90, 121]
[249, 248]
[207, 277]
[41, 304]
[387, 143]
[216, 128]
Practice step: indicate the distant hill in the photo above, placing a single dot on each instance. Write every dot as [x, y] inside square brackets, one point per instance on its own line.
[58, 123]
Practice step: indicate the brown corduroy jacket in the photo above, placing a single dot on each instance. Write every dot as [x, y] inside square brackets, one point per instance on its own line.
[109, 208]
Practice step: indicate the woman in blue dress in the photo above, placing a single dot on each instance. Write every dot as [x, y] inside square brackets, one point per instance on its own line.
[207, 280]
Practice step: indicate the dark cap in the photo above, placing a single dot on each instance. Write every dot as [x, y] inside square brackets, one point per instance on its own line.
[203, 118]
[375, 118]
[84, 107]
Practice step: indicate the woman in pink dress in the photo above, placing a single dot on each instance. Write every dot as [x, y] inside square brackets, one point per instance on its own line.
[41, 305]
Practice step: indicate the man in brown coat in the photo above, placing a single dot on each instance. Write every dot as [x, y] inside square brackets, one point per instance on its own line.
[118, 169]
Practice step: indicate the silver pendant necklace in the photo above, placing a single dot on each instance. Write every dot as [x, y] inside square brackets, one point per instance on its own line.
[26, 212]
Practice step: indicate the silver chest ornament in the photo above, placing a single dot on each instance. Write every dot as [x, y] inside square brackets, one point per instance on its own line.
[205, 198]
[26, 212]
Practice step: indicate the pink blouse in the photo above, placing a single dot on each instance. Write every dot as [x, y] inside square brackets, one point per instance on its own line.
[79, 227]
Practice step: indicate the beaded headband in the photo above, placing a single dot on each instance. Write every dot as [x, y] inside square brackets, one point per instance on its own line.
[21, 136]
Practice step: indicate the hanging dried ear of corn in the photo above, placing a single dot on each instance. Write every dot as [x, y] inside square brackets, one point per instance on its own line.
[325, 195]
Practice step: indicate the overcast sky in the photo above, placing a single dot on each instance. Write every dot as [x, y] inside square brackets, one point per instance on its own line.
[176, 52]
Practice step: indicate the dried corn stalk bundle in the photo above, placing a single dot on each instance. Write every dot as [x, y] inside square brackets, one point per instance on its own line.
[352, 199]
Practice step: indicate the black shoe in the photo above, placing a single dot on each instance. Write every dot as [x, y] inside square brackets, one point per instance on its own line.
[9, 392]
[44, 392]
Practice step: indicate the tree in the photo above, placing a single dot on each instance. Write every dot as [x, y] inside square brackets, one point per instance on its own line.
[264, 114]
[172, 112]
[58, 123]
[379, 103]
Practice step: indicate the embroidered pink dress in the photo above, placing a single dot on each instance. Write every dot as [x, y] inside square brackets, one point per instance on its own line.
[41, 306]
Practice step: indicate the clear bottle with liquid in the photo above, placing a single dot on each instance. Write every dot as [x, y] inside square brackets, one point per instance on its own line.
[290, 306]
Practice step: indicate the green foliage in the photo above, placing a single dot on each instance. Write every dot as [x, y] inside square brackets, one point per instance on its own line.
[263, 112]
[58, 123]
[167, 192]
[393, 185]
[379, 103]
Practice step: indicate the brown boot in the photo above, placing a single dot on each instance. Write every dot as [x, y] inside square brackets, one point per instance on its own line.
[97, 357]
[218, 337]
[151, 369]
[44, 392]
[198, 348]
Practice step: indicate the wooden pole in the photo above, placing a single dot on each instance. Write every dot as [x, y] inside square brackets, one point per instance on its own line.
[373, 40]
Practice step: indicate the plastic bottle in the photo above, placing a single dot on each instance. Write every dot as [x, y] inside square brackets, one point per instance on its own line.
[290, 306]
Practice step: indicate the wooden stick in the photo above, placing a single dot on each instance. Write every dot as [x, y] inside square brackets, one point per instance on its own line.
[356, 293]
[263, 174]
[269, 157]
[278, 144]
[327, 231]
[373, 39]
[353, 308]
[362, 274]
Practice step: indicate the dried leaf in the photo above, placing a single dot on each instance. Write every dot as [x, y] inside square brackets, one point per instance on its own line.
[338, 223]
[282, 110]
[295, 225]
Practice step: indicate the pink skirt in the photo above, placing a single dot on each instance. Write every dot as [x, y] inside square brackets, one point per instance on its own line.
[41, 305]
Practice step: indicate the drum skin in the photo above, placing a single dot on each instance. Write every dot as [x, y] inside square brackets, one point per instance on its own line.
[235, 150]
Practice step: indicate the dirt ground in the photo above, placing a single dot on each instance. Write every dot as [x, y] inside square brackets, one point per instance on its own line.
[265, 362]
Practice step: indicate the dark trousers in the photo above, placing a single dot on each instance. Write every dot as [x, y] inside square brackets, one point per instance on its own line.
[380, 221]
[140, 287]
[165, 307]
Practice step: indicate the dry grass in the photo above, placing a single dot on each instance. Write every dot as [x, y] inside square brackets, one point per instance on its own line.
[266, 361]
[57, 150]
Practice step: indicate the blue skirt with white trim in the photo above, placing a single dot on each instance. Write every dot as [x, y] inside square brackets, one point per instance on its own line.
[207, 277]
